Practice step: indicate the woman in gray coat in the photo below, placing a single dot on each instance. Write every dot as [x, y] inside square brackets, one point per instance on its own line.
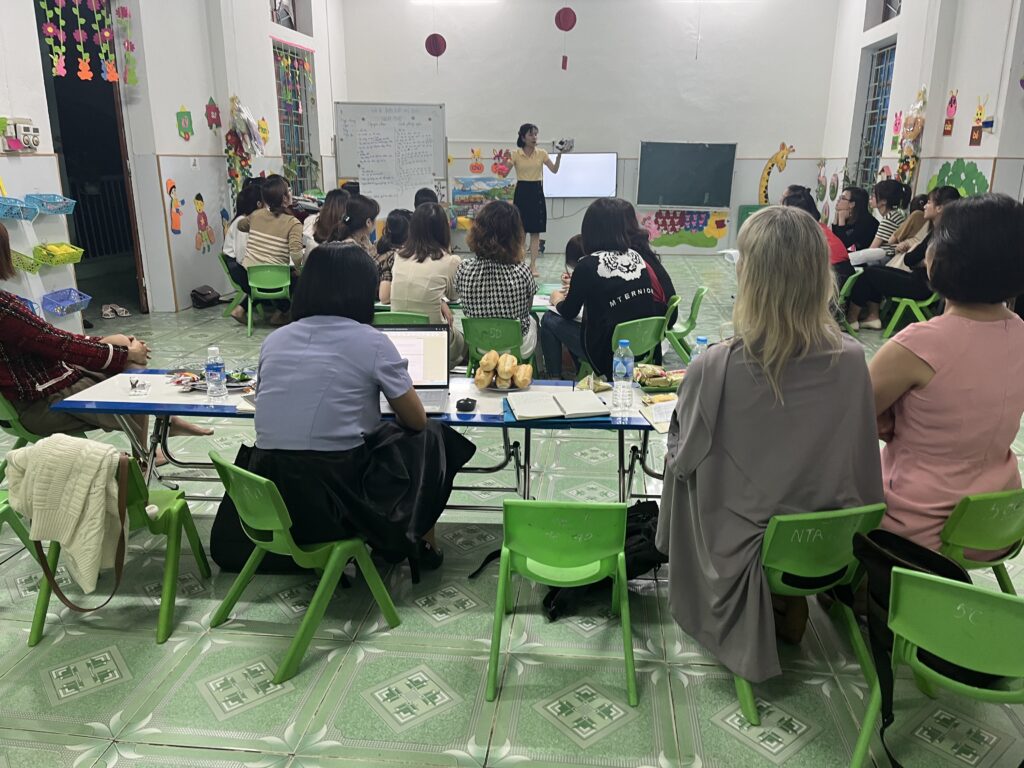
[779, 420]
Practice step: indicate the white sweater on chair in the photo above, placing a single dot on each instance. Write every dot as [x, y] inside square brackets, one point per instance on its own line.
[67, 487]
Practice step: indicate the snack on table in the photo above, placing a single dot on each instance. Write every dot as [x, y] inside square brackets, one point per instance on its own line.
[483, 379]
[523, 375]
[506, 366]
[489, 361]
[647, 375]
[503, 383]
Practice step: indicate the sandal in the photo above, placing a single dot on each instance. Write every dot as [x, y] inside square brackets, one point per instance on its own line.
[108, 312]
[121, 311]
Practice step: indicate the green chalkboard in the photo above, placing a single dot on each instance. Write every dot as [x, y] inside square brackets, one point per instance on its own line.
[679, 174]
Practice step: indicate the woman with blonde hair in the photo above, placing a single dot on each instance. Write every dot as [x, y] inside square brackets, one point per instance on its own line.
[755, 435]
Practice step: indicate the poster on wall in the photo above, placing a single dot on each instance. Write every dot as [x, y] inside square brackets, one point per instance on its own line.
[470, 194]
[196, 196]
[685, 228]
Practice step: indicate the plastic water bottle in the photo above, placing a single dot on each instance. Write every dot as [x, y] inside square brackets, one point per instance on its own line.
[216, 377]
[622, 375]
[700, 348]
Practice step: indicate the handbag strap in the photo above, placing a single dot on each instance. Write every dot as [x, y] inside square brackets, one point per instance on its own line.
[122, 511]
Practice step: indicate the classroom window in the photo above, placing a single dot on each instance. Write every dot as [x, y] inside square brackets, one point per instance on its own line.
[891, 9]
[296, 115]
[876, 114]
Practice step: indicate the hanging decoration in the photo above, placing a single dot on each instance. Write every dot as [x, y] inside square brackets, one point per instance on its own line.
[436, 45]
[982, 122]
[123, 22]
[103, 36]
[910, 145]
[476, 165]
[81, 36]
[212, 114]
[822, 189]
[897, 126]
[241, 143]
[502, 165]
[565, 20]
[951, 107]
[184, 120]
[54, 35]
[264, 129]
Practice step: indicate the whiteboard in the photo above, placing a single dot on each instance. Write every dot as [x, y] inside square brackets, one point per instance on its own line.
[390, 143]
[584, 174]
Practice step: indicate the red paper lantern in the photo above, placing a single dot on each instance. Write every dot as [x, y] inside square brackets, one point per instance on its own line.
[436, 45]
[565, 19]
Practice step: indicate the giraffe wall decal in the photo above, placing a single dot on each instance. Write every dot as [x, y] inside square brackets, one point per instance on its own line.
[778, 160]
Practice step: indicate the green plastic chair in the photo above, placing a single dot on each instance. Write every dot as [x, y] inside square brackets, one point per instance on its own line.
[13, 519]
[672, 308]
[921, 310]
[991, 522]
[644, 336]
[266, 522]
[745, 212]
[810, 553]
[677, 336]
[502, 334]
[173, 517]
[969, 626]
[844, 298]
[239, 293]
[267, 281]
[563, 544]
[399, 318]
[10, 422]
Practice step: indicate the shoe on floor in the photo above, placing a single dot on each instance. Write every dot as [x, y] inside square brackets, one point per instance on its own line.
[430, 558]
[872, 325]
[238, 313]
[854, 325]
[280, 318]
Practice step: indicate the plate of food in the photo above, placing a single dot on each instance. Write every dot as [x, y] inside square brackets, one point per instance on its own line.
[502, 372]
[655, 378]
[190, 380]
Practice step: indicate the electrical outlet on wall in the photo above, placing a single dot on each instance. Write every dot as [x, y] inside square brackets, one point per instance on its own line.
[18, 135]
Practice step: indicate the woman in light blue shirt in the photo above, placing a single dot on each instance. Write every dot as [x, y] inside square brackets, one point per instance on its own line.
[319, 436]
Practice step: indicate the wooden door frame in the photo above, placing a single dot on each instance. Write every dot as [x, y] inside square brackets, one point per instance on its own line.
[129, 185]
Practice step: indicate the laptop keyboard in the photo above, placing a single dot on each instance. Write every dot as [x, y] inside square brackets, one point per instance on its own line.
[434, 401]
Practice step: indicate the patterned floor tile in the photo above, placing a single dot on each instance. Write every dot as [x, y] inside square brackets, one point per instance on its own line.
[573, 711]
[592, 629]
[28, 749]
[572, 487]
[806, 720]
[90, 683]
[222, 695]
[424, 707]
[19, 586]
[147, 756]
[13, 644]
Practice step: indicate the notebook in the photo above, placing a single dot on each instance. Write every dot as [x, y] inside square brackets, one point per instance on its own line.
[578, 404]
[581, 404]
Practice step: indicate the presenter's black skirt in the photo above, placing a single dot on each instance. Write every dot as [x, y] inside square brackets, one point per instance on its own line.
[533, 210]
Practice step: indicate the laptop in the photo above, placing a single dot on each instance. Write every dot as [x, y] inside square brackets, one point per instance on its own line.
[426, 349]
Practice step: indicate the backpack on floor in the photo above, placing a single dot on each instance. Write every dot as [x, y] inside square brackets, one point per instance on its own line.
[204, 296]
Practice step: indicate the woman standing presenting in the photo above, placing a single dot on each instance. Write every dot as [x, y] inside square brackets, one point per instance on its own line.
[529, 162]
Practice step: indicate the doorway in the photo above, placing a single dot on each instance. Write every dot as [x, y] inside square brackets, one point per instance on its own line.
[88, 137]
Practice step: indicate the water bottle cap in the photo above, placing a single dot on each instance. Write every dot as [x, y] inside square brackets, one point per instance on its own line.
[623, 343]
[702, 339]
[212, 351]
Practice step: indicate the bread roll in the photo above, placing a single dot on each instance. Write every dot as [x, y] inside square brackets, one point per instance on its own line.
[506, 366]
[503, 383]
[523, 375]
[489, 361]
[483, 378]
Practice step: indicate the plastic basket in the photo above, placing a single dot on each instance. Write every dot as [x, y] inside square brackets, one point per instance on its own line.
[55, 254]
[24, 262]
[13, 208]
[56, 205]
[29, 304]
[65, 302]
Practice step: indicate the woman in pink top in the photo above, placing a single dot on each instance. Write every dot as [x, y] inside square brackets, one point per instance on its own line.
[949, 393]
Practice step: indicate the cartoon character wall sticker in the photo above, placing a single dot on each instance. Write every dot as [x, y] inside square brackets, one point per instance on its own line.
[476, 166]
[951, 107]
[897, 126]
[205, 236]
[175, 207]
[982, 122]
[502, 165]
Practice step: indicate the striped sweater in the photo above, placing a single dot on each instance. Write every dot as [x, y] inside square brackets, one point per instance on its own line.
[273, 238]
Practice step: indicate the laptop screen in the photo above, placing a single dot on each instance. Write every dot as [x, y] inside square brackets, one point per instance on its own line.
[426, 349]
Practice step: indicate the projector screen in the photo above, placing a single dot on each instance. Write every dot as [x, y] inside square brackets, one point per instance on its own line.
[583, 174]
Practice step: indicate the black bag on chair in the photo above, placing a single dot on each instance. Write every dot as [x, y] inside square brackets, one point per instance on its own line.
[879, 552]
[204, 296]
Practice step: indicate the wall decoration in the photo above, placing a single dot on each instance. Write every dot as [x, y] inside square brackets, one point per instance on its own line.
[826, 212]
[264, 129]
[184, 122]
[470, 194]
[212, 114]
[205, 236]
[436, 45]
[81, 36]
[225, 221]
[565, 20]
[822, 189]
[965, 175]
[951, 107]
[123, 22]
[897, 125]
[18, 135]
[910, 146]
[502, 165]
[833, 187]
[975, 140]
[174, 212]
[778, 160]
[54, 36]
[686, 227]
[103, 36]
[476, 166]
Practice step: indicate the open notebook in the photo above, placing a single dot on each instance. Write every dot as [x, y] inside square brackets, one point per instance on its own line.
[571, 404]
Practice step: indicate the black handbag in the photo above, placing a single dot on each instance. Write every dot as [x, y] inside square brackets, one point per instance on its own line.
[204, 296]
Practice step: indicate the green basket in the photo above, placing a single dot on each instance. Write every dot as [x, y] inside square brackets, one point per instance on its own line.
[45, 254]
[24, 262]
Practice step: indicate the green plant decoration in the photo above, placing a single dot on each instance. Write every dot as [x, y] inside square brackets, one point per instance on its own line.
[965, 175]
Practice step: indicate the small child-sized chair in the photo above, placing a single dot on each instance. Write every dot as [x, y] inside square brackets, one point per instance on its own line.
[992, 522]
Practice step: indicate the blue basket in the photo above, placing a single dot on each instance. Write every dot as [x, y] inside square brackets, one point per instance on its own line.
[13, 208]
[29, 304]
[55, 205]
[65, 302]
